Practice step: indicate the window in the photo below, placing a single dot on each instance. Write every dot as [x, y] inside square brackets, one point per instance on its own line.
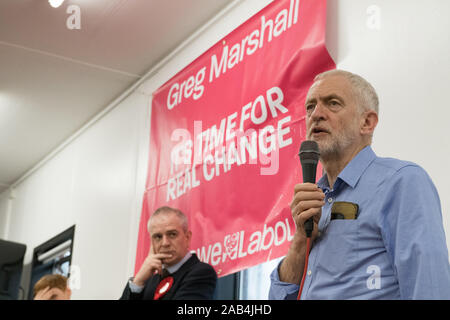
[255, 281]
[52, 257]
[250, 284]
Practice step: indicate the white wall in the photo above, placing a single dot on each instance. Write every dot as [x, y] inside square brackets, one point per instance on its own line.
[97, 181]
[4, 202]
[93, 183]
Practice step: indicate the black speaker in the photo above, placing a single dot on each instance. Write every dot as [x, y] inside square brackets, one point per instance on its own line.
[11, 263]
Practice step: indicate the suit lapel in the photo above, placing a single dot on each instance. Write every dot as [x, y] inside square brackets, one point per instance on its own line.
[153, 282]
[179, 275]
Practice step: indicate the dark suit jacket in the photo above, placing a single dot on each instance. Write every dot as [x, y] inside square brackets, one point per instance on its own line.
[194, 280]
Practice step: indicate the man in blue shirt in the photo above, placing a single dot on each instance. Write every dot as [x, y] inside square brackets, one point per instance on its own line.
[389, 241]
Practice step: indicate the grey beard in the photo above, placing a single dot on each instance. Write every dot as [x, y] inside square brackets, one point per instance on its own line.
[334, 148]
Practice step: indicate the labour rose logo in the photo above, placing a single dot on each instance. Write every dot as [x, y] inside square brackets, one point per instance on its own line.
[231, 245]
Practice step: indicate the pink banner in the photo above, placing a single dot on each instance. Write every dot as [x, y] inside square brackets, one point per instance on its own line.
[225, 135]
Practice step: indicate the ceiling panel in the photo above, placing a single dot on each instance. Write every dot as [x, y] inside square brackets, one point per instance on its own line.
[53, 79]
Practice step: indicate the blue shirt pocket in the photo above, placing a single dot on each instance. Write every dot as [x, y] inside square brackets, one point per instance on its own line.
[337, 253]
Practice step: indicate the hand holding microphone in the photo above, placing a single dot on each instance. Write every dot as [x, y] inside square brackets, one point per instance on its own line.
[308, 198]
[306, 208]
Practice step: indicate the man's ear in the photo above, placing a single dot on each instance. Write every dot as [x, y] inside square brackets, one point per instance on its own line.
[368, 122]
[189, 236]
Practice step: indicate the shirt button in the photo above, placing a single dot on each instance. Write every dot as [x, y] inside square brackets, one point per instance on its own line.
[330, 200]
[309, 272]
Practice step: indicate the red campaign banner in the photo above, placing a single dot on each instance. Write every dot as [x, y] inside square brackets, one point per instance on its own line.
[225, 135]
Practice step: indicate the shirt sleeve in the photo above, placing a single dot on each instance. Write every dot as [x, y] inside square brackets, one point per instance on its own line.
[134, 288]
[129, 294]
[414, 236]
[280, 290]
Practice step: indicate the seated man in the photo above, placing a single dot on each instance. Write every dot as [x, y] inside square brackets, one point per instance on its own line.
[52, 287]
[171, 271]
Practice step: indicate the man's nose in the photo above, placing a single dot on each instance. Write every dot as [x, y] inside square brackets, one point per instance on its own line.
[319, 112]
[165, 241]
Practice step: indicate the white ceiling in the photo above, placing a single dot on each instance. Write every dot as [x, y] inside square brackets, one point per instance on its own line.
[53, 79]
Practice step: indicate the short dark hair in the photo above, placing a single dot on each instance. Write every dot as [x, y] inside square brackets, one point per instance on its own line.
[166, 210]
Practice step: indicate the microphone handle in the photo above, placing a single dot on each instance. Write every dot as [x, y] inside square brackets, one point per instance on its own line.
[309, 226]
[309, 175]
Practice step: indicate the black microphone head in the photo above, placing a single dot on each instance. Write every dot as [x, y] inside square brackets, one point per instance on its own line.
[309, 152]
[309, 157]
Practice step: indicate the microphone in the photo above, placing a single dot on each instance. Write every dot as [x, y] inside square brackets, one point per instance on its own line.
[309, 157]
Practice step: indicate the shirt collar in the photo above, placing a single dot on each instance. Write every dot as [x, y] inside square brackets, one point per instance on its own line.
[175, 267]
[353, 170]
